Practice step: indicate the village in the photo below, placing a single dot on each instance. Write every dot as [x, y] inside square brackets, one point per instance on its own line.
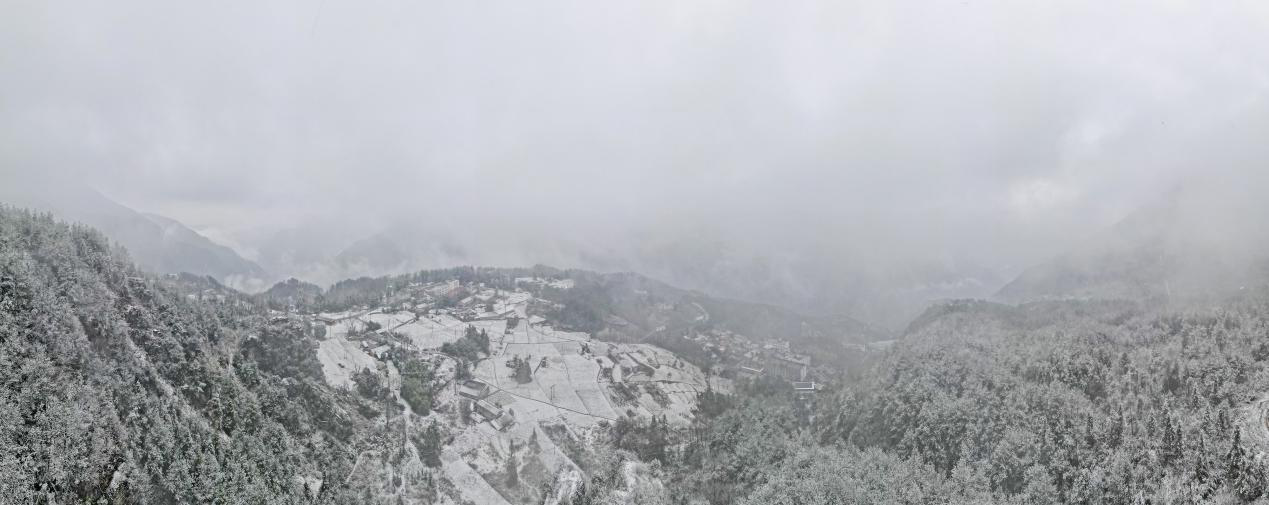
[534, 393]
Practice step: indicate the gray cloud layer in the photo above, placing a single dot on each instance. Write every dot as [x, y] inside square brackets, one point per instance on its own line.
[860, 133]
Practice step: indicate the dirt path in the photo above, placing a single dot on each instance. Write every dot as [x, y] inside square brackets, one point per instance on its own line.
[357, 463]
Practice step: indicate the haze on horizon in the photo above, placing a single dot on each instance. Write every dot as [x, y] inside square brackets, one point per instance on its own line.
[818, 142]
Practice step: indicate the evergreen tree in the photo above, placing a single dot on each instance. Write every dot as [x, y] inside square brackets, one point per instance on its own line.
[1171, 448]
[464, 411]
[513, 473]
[462, 370]
[429, 446]
[1172, 381]
[523, 373]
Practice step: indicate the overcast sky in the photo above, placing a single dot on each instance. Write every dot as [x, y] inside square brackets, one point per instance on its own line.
[999, 131]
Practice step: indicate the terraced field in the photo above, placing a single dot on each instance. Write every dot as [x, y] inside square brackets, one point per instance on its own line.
[573, 390]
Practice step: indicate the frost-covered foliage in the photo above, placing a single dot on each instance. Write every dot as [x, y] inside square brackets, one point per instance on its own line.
[833, 476]
[119, 386]
[1059, 402]
[470, 346]
[123, 387]
[1089, 401]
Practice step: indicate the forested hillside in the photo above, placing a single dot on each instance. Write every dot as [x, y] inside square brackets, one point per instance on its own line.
[1175, 250]
[1081, 402]
[624, 305]
[117, 387]
[156, 243]
[1069, 402]
[125, 387]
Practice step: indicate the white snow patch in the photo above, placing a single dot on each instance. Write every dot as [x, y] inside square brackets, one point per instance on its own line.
[340, 359]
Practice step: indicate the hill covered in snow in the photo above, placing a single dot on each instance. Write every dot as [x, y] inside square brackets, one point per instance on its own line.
[155, 242]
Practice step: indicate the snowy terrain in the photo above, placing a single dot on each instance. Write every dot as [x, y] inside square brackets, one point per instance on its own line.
[578, 385]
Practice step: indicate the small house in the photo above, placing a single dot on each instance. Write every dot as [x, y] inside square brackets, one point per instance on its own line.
[473, 389]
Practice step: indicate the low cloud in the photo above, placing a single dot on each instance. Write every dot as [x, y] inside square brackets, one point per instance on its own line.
[821, 136]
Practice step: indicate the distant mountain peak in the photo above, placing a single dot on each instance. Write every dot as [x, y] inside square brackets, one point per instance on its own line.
[1179, 248]
[156, 242]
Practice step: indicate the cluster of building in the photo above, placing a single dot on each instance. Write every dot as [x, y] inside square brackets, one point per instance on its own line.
[747, 358]
[478, 398]
[744, 358]
[621, 363]
[545, 282]
[315, 326]
[787, 366]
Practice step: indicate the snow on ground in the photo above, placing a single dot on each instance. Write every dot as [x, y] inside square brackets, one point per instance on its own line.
[442, 288]
[568, 390]
[495, 327]
[569, 387]
[562, 284]
[487, 451]
[518, 303]
[549, 397]
[553, 382]
[677, 383]
[548, 333]
[341, 358]
[431, 332]
[541, 281]
[336, 316]
[341, 328]
[1254, 418]
[551, 455]
[468, 481]
[389, 321]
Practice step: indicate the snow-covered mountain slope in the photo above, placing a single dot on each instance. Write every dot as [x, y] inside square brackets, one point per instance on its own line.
[157, 243]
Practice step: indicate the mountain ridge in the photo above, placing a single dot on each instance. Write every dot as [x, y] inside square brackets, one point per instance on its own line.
[159, 243]
[1183, 248]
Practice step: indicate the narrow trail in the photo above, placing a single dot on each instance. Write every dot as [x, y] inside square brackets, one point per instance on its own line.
[357, 463]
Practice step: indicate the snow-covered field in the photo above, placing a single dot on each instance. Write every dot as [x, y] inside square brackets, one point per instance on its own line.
[341, 358]
[569, 389]
[469, 482]
[388, 321]
[431, 331]
[553, 394]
